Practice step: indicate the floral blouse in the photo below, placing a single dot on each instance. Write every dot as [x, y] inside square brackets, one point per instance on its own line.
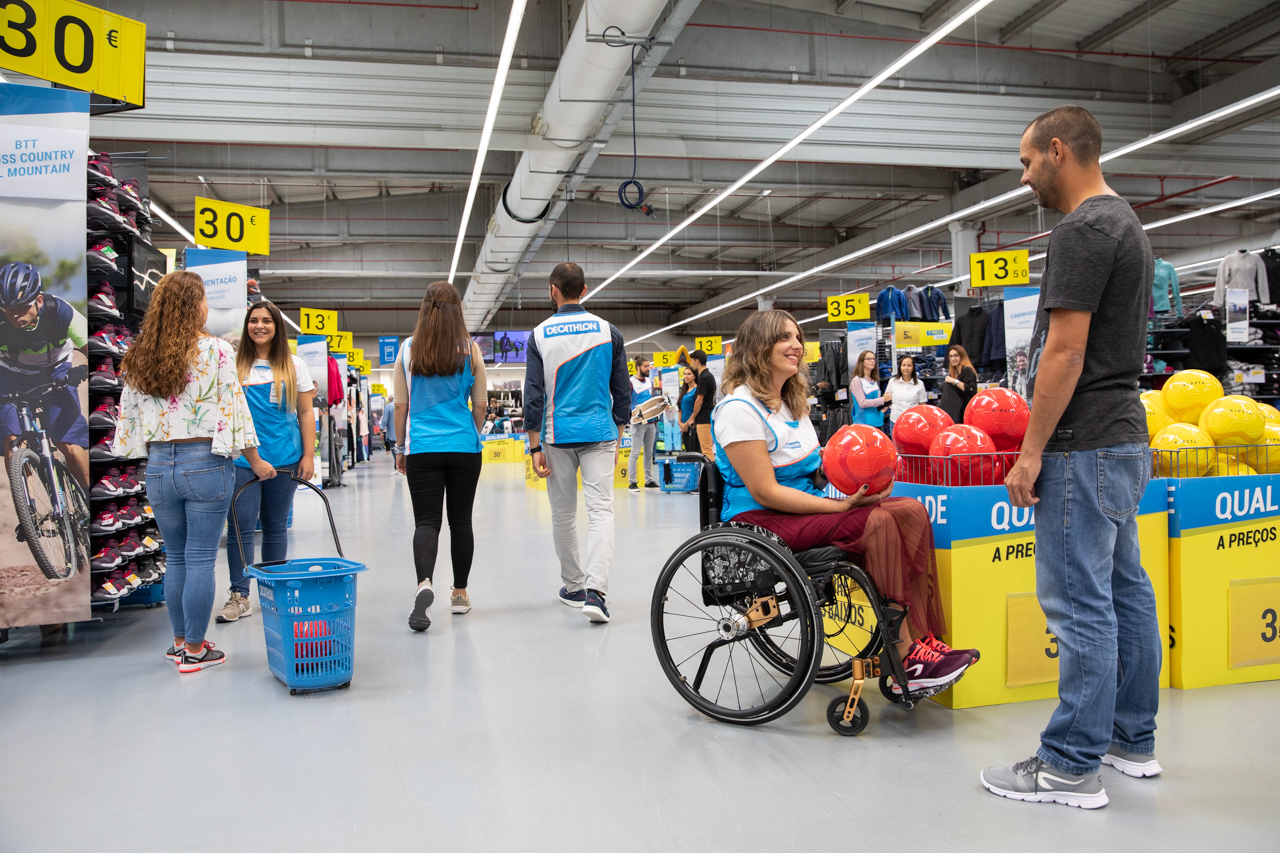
[212, 405]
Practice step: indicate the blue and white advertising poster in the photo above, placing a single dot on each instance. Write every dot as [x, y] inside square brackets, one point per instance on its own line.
[226, 282]
[1019, 322]
[388, 347]
[861, 337]
[44, 137]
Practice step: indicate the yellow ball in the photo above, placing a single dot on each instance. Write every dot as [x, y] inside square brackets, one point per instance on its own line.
[1266, 460]
[1186, 394]
[1225, 465]
[1233, 421]
[1269, 413]
[1153, 396]
[1156, 417]
[1183, 450]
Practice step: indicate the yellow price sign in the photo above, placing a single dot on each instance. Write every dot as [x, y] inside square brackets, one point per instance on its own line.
[379, 388]
[359, 354]
[339, 341]
[1253, 626]
[318, 322]
[665, 359]
[909, 335]
[75, 45]
[223, 225]
[1033, 650]
[366, 367]
[812, 352]
[631, 368]
[711, 345]
[999, 269]
[850, 306]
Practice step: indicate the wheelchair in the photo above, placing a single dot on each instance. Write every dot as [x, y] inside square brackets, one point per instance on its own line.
[743, 627]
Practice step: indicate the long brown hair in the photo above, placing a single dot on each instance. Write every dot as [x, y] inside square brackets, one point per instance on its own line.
[860, 366]
[752, 357]
[964, 361]
[161, 357]
[284, 376]
[440, 340]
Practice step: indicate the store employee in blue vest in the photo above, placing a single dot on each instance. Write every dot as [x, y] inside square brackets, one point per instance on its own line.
[577, 396]
[642, 434]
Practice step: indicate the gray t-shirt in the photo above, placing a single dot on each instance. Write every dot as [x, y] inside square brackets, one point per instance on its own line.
[1100, 261]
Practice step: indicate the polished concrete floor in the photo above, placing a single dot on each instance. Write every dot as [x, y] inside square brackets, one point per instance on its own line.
[522, 727]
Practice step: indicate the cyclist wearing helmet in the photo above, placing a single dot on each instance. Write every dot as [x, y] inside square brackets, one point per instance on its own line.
[37, 337]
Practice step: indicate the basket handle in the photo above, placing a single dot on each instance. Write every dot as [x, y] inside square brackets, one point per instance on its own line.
[235, 519]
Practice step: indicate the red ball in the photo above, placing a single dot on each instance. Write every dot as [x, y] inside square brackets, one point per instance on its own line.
[914, 431]
[859, 454]
[964, 456]
[1001, 414]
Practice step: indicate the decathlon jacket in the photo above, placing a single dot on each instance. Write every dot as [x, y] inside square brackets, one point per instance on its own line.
[576, 388]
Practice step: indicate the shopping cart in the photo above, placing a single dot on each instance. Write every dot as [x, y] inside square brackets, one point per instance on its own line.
[308, 611]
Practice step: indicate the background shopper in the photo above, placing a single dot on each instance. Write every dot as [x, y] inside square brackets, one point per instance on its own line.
[182, 406]
[703, 402]
[643, 435]
[574, 420]
[1085, 465]
[905, 390]
[688, 393]
[864, 389]
[438, 372]
[280, 392]
[389, 425]
[959, 385]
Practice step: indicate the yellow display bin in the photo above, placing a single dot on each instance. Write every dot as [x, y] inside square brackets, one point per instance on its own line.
[1224, 577]
[533, 481]
[502, 450]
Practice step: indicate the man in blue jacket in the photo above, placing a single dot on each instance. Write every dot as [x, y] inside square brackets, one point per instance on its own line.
[577, 396]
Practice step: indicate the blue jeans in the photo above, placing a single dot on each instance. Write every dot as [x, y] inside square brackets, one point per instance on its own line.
[190, 490]
[269, 500]
[1099, 603]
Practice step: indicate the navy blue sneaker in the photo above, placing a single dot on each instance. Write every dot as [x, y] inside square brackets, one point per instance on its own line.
[594, 608]
[573, 599]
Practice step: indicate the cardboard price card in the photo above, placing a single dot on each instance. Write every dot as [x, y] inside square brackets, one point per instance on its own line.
[318, 322]
[711, 344]
[850, 306]
[999, 269]
[665, 359]
[223, 225]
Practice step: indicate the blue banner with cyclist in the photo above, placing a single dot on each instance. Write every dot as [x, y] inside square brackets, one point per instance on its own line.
[44, 523]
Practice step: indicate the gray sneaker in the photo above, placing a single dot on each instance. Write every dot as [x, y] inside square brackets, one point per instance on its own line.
[237, 605]
[1036, 782]
[1131, 763]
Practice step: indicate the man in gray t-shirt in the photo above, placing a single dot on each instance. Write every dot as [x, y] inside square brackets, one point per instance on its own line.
[1084, 465]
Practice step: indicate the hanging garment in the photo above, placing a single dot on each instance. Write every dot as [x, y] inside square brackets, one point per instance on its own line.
[1241, 270]
[915, 307]
[1271, 262]
[1207, 344]
[993, 349]
[970, 331]
[1164, 284]
[934, 305]
[337, 388]
[892, 303]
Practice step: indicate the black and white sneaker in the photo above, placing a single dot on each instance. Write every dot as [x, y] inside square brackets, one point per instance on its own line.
[418, 619]
[634, 487]
[650, 484]
[209, 656]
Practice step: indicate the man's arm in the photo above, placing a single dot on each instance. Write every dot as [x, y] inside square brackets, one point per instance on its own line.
[1061, 362]
[534, 392]
[619, 381]
[78, 331]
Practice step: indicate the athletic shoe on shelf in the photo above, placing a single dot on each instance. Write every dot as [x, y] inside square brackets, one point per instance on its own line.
[127, 515]
[147, 572]
[152, 544]
[103, 378]
[110, 588]
[101, 257]
[103, 214]
[105, 415]
[928, 671]
[108, 557]
[130, 576]
[157, 562]
[136, 505]
[106, 522]
[146, 511]
[209, 656]
[573, 599]
[237, 605]
[943, 649]
[131, 480]
[101, 450]
[418, 619]
[131, 546]
[127, 196]
[102, 302]
[459, 602]
[108, 486]
[594, 608]
[103, 343]
[1131, 763]
[1033, 781]
[101, 173]
[124, 338]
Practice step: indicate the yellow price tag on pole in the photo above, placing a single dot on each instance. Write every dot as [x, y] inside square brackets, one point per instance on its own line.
[631, 367]
[850, 306]
[76, 45]
[359, 354]
[223, 225]
[1033, 651]
[812, 352]
[339, 341]
[999, 269]
[665, 359]
[316, 321]
[1253, 626]
[711, 345]
[379, 388]
[366, 367]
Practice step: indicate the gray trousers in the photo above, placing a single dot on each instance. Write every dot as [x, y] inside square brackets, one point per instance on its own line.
[596, 463]
[646, 436]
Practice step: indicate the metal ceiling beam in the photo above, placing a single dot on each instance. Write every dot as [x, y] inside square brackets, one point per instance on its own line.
[802, 206]
[1231, 39]
[1124, 23]
[1030, 17]
[936, 12]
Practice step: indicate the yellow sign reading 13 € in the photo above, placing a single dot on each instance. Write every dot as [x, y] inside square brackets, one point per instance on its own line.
[223, 225]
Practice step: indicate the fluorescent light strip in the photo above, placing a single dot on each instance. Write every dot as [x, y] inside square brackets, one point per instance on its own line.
[490, 117]
[861, 92]
[173, 223]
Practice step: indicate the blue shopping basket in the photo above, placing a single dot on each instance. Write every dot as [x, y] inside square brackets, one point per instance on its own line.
[308, 611]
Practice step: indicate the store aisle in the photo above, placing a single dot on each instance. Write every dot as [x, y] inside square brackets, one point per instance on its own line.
[522, 727]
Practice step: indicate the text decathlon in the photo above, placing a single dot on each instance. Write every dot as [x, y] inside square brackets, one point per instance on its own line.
[580, 327]
[1244, 502]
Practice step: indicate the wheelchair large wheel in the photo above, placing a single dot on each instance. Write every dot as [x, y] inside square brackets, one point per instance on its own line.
[715, 594]
[849, 627]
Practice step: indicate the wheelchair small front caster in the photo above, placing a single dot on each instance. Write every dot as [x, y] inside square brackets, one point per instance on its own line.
[835, 716]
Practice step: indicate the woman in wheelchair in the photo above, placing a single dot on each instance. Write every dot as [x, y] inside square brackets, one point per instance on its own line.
[767, 452]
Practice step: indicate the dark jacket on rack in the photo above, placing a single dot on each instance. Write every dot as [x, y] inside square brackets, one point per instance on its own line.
[833, 368]
[892, 303]
[970, 332]
[1207, 344]
[934, 305]
[993, 347]
[1271, 262]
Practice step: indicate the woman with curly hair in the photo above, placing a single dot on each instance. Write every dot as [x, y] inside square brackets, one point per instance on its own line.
[183, 408]
[767, 451]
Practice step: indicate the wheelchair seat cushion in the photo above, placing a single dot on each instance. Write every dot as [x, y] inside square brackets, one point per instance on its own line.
[820, 558]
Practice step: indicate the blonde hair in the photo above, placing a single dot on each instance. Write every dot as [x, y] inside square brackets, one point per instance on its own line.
[284, 376]
[751, 364]
[860, 366]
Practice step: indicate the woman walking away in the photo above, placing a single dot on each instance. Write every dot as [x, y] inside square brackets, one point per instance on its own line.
[864, 388]
[689, 391]
[280, 391]
[438, 371]
[905, 390]
[961, 383]
[183, 407]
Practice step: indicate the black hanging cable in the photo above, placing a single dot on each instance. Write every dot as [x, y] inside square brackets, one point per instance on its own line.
[627, 187]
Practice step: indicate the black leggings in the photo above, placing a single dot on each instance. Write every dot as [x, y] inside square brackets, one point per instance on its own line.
[433, 478]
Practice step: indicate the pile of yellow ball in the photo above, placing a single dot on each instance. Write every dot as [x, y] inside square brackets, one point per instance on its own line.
[1216, 435]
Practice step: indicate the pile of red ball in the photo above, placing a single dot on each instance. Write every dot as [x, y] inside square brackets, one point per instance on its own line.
[975, 453]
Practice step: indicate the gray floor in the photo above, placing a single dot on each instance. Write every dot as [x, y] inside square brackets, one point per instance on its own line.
[522, 727]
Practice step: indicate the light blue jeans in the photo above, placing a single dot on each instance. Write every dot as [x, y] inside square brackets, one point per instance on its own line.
[190, 489]
[1099, 604]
